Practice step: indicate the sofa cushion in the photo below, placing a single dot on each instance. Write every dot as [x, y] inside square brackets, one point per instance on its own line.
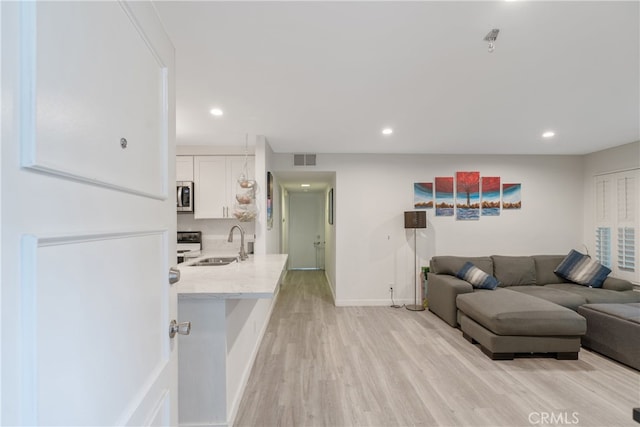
[598, 295]
[615, 284]
[452, 264]
[505, 312]
[545, 269]
[477, 278]
[613, 330]
[514, 270]
[581, 269]
[563, 298]
[630, 312]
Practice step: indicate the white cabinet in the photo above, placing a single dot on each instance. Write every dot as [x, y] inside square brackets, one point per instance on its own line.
[215, 184]
[184, 168]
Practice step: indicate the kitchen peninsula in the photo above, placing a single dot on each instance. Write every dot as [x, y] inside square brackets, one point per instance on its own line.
[229, 308]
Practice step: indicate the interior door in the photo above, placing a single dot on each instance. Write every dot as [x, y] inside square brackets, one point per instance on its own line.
[306, 229]
[88, 215]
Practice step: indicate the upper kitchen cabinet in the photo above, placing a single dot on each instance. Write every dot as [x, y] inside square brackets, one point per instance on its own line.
[216, 184]
[184, 168]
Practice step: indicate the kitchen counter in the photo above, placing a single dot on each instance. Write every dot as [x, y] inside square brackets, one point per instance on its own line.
[229, 307]
[256, 277]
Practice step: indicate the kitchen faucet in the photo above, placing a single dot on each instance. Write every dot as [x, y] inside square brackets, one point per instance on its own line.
[243, 253]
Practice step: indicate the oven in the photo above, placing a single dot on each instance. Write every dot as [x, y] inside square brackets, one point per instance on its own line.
[189, 245]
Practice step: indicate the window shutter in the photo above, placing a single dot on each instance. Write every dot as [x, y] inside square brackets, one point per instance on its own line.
[627, 249]
[603, 246]
[626, 198]
[601, 200]
[617, 223]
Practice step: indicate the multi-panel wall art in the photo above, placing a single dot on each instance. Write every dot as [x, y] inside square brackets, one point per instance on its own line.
[444, 196]
[511, 198]
[490, 196]
[423, 195]
[469, 197]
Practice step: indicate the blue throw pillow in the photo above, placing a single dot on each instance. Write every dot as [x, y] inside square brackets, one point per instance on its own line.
[583, 270]
[478, 278]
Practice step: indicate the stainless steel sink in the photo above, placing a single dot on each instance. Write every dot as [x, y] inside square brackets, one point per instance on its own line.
[213, 261]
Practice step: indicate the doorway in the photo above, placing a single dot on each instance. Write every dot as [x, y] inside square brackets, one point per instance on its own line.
[306, 231]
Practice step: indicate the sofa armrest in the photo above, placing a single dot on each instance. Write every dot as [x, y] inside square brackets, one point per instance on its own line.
[442, 290]
[615, 284]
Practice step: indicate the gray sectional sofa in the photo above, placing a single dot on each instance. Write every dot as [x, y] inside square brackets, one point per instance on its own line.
[533, 310]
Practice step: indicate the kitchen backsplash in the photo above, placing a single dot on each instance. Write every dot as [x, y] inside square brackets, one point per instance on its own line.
[215, 232]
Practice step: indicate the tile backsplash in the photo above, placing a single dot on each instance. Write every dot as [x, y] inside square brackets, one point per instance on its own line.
[216, 231]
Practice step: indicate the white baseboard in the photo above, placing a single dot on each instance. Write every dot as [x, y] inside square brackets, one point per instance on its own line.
[370, 302]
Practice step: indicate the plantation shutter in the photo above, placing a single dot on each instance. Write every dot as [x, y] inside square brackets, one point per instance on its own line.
[603, 246]
[617, 223]
[626, 230]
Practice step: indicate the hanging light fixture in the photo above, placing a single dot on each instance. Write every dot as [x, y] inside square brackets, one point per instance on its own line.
[491, 39]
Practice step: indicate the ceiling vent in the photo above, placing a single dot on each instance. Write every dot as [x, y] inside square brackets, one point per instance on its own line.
[304, 160]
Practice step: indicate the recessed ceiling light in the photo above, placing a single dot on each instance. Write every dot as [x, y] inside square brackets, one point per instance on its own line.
[387, 131]
[548, 134]
[216, 112]
[305, 185]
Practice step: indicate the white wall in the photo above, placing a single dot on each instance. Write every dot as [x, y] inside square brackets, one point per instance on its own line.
[268, 239]
[330, 243]
[373, 250]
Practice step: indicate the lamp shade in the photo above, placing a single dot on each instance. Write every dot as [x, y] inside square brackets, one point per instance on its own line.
[415, 219]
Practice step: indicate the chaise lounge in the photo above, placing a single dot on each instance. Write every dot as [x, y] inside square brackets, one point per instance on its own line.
[532, 310]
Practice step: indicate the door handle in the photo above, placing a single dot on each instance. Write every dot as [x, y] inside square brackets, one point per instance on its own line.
[182, 328]
[174, 275]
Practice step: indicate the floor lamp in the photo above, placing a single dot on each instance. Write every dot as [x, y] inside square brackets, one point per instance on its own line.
[415, 219]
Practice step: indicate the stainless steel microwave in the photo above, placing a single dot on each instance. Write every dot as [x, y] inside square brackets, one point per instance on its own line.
[184, 196]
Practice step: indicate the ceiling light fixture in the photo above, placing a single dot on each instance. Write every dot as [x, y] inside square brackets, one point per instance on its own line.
[387, 131]
[548, 134]
[216, 112]
[491, 38]
[305, 185]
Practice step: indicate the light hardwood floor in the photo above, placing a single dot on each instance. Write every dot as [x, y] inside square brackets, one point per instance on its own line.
[321, 365]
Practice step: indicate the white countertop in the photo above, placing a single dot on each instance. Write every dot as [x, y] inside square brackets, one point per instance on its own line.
[256, 277]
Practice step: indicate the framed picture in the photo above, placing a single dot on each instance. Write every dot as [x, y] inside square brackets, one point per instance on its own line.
[423, 195]
[467, 196]
[444, 195]
[269, 200]
[511, 196]
[330, 206]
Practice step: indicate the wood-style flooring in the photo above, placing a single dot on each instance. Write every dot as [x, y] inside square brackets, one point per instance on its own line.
[321, 365]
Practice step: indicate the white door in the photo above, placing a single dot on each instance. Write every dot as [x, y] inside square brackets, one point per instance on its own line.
[306, 230]
[88, 216]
